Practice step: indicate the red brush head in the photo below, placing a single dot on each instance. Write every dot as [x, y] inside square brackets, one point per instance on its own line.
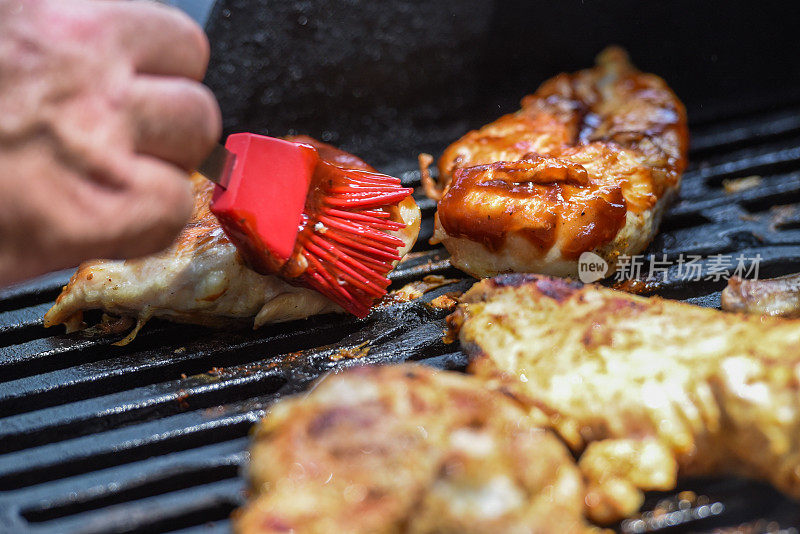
[346, 238]
[334, 239]
[262, 207]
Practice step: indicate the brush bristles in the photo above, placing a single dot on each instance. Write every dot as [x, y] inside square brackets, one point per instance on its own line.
[345, 240]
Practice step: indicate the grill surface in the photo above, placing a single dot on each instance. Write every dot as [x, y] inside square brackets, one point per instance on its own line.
[152, 437]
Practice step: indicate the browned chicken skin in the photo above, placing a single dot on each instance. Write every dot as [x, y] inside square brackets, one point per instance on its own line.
[777, 297]
[644, 388]
[587, 164]
[201, 278]
[408, 449]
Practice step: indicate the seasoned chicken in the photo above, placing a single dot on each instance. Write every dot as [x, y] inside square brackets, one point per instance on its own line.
[588, 164]
[645, 389]
[408, 449]
[201, 278]
[778, 297]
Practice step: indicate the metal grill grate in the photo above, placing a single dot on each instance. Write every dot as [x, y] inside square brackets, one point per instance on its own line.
[95, 438]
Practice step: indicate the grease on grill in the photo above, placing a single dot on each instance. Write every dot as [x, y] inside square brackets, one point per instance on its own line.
[181, 398]
[141, 320]
[782, 215]
[637, 287]
[216, 371]
[352, 353]
[446, 302]
[108, 325]
[736, 185]
[414, 290]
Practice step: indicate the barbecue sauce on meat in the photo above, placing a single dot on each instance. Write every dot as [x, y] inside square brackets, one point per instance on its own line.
[622, 134]
[538, 198]
[333, 155]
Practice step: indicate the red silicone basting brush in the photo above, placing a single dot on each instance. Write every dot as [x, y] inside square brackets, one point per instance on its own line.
[313, 223]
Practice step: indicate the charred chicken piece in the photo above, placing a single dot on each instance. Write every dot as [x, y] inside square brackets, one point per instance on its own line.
[777, 297]
[588, 164]
[202, 278]
[644, 389]
[408, 449]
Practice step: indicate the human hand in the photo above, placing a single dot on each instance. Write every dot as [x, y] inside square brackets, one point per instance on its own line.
[101, 116]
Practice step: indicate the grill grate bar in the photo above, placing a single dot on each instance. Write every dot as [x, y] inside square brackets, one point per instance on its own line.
[160, 485]
[160, 338]
[147, 477]
[146, 367]
[738, 132]
[746, 164]
[94, 415]
[24, 324]
[749, 109]
[160, 513]
[38, 355]
[21, 318]
[777, 189]
[214, 527]
[83, 455]
[35, 291]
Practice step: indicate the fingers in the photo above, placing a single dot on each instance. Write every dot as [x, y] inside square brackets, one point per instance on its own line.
[57, 217]
[162, 39]
[151, 213]
[175, 119]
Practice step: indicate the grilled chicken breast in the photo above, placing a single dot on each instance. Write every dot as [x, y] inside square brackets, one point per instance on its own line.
[201, 278]
[588, 164]
[408, 449]
[645, 389]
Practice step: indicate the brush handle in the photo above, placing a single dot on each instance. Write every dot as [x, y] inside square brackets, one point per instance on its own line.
[218, 166]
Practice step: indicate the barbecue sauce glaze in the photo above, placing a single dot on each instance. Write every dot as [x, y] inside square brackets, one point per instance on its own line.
[584, 149]
[539, 198]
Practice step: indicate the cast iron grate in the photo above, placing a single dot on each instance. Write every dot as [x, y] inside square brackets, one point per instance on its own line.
[151, 437]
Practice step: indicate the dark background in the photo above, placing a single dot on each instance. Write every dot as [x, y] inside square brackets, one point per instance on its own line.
[388, 79]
